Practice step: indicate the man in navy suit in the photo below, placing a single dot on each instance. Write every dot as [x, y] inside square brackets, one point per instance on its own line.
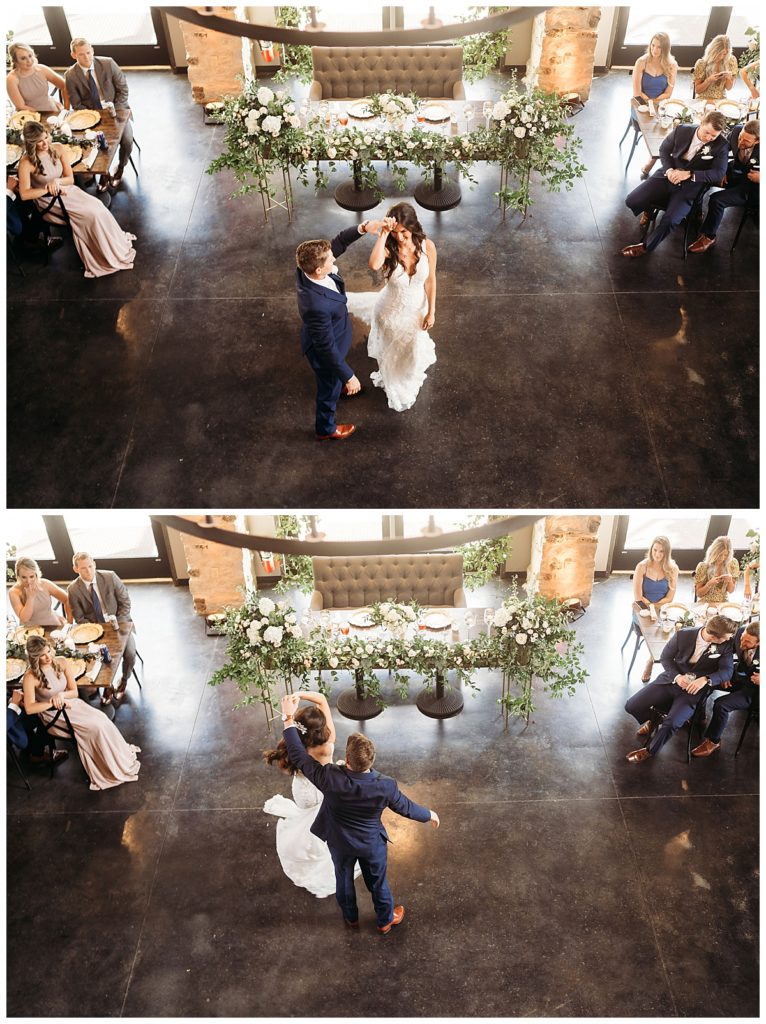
[326, 330]
[743, 686]
[691, 158]
[355, 796]
[741, 185]
[692, 660]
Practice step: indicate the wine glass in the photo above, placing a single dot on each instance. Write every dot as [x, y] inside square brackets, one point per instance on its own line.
[470, 621]
[343, 116]
[324, 621]
[489, 618]
[486, 110]
[324, 111]
[420, 113]
[468, 112]
[344, 628]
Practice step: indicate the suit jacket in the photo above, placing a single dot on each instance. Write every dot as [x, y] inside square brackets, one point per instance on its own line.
[736, 172]
[15, 730]
[717, 664]
[326, 330]
[115, 599]
[740, 680]
[708, 163]
[349, 817]
[111, 82]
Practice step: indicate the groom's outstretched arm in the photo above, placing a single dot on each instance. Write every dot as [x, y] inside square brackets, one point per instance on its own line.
[401, 804]
[313, 770]
[343, 240]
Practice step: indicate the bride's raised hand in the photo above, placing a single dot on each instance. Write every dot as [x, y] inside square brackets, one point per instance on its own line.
[389, 223]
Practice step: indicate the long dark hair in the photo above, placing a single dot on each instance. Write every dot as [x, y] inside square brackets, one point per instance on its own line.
[405, 215]
[317, 733]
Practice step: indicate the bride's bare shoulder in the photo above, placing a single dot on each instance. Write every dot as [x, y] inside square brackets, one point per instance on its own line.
[430, 247]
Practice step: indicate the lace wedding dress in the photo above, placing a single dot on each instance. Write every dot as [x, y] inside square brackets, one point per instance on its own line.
[404, 351]
[305, 859]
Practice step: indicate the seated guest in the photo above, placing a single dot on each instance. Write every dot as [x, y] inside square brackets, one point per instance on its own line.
[27, 81]
[744, 687]
[48, 686]
[95, 594]
[691, 158]
[716, 577]
[92, 82]
[715, 71]
[654, 582]
[654, 78]
[741, 185]
[27, 733]
[32, 596]
[691, 660]
[45, 171]
[750, 75]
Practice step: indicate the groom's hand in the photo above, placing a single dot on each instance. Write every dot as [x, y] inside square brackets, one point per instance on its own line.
[434, 819]
[289, 704]
[353, 385]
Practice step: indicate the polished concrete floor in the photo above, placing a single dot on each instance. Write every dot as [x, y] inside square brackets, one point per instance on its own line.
[566, 375]
[563, 881]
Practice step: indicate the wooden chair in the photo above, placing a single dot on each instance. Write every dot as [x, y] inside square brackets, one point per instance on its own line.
[61, 713]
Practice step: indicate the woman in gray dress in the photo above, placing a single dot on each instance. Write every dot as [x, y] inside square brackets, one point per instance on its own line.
[31, 596]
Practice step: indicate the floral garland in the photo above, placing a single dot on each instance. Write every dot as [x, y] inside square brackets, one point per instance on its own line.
[392, 105]
[393, 614]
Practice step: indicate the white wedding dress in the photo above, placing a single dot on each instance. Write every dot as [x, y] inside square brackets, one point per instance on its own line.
[304, 857]
[404, 351]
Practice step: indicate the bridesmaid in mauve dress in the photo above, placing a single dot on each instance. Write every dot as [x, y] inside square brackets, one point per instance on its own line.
[27, 82]
[31, 596]
[49, 685]
[44, 171]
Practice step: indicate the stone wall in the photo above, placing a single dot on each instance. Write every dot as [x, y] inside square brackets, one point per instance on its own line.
[214, 60]
[215, 570]
[563, 49]
[563, 558]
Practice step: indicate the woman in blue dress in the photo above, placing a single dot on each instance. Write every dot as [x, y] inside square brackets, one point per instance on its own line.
[654, 78]
[654, 582]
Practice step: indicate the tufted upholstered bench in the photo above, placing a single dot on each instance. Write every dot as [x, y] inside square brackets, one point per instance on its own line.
[351, 72]
[435, 580]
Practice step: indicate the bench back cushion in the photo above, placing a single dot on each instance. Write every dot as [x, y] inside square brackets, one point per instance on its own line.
[351, 72]
[357, 580]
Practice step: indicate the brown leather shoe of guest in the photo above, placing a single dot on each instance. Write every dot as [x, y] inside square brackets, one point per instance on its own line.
[634, 250]
[643, 220]
[342, 431]
[645, 729]
[396, 919]
[702, 244]
[351, 924]
[58, 757]
[705, 749]
[638, 755]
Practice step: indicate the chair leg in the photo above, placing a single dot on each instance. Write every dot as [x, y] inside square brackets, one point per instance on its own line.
[639, 641]
[19, 769]
[630, 125]
[632, 150]
[746, 726]
[14, 258]
[630, 634]
[130, 161]
[742, 220]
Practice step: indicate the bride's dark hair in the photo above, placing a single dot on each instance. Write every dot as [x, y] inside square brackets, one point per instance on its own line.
[317, 733]
[405, 215]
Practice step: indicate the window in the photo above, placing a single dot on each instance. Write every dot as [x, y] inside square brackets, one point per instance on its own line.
[682, 533]
[120, 26]
[30, 26]
[683, 29]
[116, 535]
[27, 533]
[741, 18]
[738, 531]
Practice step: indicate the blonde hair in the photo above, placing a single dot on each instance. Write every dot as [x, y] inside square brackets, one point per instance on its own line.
[26, 563]
[37, 646]
[669, 567]
[720, 550]
[77, 41]
[14, 47]
[668, 62]
[717, 50]
[31, 134]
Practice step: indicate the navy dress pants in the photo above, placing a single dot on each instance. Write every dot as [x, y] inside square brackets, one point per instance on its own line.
[329, 386]
[735, 195]
[374, 875]
[657, 192]
[737, 700]
[664, 695]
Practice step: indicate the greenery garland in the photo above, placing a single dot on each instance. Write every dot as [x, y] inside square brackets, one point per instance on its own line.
[482, 559]
[296, 60]
[752, 53]
[483, 52]
[297, 571]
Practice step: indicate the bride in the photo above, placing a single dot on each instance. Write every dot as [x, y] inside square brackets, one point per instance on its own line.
[304, 857]
[404, 311]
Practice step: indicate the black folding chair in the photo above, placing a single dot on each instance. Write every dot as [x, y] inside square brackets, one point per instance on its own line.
[15, 759]
[749, 211]
[633, 631]
[691, 218]
[752, 716]
[632, 123]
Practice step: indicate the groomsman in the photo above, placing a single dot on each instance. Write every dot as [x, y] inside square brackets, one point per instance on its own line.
[741, 185]
[744, 687]
[96, 594]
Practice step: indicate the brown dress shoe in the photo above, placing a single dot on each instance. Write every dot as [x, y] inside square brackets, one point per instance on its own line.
[396, 919]
[342, 431]
[350, 924]
[638, 755]
[645, 729]
[634, 250]
[705, 749]
[58, 757]
[702, 244]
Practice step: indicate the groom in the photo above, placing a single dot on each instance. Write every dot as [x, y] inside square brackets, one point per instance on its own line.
[326, 331]
[355, 796]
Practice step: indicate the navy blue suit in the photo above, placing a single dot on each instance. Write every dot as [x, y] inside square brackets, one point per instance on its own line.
[326, 334]
[662, 692]
[26, 731]
[742, 693]
[738, 190]
[708, 166]
[349, 821]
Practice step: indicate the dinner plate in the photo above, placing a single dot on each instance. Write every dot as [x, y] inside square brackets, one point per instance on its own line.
[436, 112]
[674, 107]
[643, 108]
[73, 152]
[729, 109]
[437, 620]
[20, 118]
[12, 154]
[361, 619]
[14, 669]
[78, 666]
[87, 632]
[78, 120]
[360, 109]
[731, 611]
[24, 632]
[645, 613]
[675, 611]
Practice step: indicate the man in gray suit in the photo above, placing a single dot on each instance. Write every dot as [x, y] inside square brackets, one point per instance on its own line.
[91, 83]
[96, 594]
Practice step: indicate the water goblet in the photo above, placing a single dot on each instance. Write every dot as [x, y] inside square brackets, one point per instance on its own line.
[324, 621]
[468, 112]
[489, 618]
[487, 111]
[470, 621]
[324, 111]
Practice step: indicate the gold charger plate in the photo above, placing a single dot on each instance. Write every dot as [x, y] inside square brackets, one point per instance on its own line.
[12, 153]
[729, 109]
[24, 632]
[731, 610]
[435, 112]
[79, 120]
[20, 118]
[674, 610]
[361, 619]
[87, 632]
[360, 110]
[73, 152]
[437, 621]
[14, 669]
[674, 107]
[78, 666]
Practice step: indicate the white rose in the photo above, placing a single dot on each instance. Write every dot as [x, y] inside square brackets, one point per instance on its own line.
[273, 635]
[253, 634]
[500, 110]
[263, 110]
[368, 649]
[294, 120]
[408, 104]
[272, 123]
[307, 662]
[355, 663]
[410, 614]
[519, 131]
[353, 154]
[296, 632]
[264, 95]
[521, 639]
[290, 618]
[332, 152]
[333, 662]
[501, 617]
[280, 94]
[411, 144]
[266, 606]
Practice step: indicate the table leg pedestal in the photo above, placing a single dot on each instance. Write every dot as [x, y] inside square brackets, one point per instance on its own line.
[443, 194]
[356, 704]
[351, 195]
[440, 702]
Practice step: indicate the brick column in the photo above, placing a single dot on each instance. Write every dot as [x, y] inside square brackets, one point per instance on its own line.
[214, 59]
[216, 570]
[563, 557]
[563, 47]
